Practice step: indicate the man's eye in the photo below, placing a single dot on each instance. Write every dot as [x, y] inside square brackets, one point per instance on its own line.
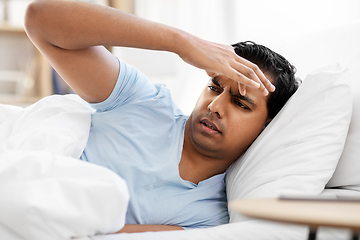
[212, 88]
[242, 105]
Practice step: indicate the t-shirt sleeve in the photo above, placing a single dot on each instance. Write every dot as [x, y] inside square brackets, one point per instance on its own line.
[130, 86]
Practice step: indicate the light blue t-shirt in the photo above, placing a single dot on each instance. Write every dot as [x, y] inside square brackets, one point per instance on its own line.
[138, 133]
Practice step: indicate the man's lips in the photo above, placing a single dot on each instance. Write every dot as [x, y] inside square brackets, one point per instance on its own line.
[209, 124]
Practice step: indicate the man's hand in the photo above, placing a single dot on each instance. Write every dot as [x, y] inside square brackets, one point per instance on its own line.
[218, 59]
[132, 228]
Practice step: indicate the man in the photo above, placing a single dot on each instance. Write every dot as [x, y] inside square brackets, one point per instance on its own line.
[174, 164]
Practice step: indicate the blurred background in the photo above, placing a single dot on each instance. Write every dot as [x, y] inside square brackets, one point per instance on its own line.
[25, 76]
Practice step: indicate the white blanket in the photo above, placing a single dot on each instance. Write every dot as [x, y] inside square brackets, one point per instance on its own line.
[46, 192]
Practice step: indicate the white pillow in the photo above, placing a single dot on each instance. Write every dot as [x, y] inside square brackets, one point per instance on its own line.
[298, 151]
[347, 173]
[335, 44]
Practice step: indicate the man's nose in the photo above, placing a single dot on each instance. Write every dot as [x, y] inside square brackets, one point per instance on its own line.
[217, 105]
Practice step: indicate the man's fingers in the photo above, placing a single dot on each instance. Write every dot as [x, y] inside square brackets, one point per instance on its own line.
[247, 76]
[268, 84]
[246, 73]
[211, 74]
[242, 88]
[241, 78]
[254, 73]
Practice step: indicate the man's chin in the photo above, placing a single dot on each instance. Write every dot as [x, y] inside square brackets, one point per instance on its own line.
[207, 147]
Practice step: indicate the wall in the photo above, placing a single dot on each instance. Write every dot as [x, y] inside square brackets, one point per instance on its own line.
[228, 21]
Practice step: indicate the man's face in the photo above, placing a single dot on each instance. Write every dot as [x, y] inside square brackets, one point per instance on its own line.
[224, 123]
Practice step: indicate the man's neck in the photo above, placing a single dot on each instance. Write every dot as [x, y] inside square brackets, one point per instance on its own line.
[196, 167]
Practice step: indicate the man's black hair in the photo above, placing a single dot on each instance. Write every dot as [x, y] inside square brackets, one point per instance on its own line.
[281, 72]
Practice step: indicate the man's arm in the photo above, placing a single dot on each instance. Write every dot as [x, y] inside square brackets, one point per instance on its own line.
[71, 35]
[131, 228]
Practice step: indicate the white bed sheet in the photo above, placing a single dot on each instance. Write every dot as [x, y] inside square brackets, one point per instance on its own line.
[250, 229]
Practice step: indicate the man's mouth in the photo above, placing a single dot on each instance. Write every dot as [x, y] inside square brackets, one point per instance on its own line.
[209, 124]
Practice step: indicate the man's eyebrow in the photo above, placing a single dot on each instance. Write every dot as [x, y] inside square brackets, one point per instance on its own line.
[238, 95]
[215, 81]
[246, 99]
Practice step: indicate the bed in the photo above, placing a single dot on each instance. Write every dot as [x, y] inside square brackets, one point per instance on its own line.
[311, 147]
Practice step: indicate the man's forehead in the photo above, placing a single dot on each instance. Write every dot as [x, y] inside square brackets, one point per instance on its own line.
[233, 90]
[252, 95]
[222, 81]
